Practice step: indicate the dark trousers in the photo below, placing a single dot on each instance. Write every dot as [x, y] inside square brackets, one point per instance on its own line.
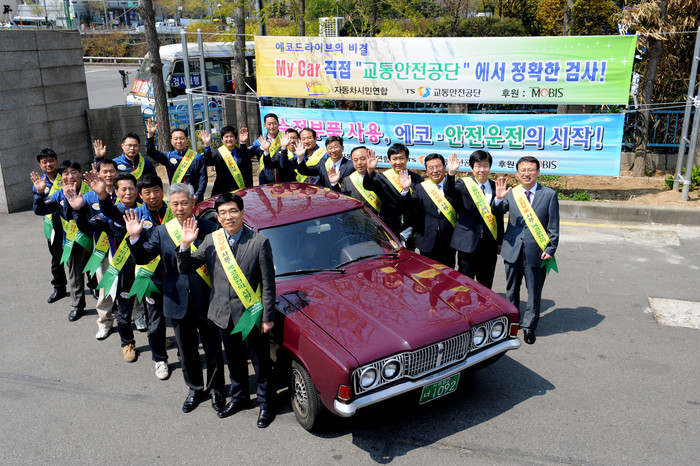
[534, 281]
[76, 283]
[58, 273]
[188, 332]
[479, 264]
[124, 307]
[154, 317]
[442, 253]
[258, 348]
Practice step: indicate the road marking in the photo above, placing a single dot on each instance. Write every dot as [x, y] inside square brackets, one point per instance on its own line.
[604, 225]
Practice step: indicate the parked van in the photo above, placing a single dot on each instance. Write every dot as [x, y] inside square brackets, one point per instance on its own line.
[218, 57]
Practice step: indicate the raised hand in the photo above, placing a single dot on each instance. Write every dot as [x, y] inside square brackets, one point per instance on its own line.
[96, 183]
[99, 148]
[38, 181]
[333, 175]
[405, 180]
[190, 231]
[243, 135]
[265, 143]
[76, 201]
[502, 188]
[371, 161]
[452, 164]
[133, 225]
[300, 152]
[205, 136]
[284, 141]
[151, 128]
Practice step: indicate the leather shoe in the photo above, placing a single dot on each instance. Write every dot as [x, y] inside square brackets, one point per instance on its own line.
[529, 336]
[218, 401]
[192, 401]
[95, 293]
[75, 314]
[265, 418]
[231, 408]
[58, 293]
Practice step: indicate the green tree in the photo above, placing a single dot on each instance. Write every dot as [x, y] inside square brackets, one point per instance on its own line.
[588, 17]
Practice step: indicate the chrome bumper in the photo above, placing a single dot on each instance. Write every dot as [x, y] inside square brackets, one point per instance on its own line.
[348, 409]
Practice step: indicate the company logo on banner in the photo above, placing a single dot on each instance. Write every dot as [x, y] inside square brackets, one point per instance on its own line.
[504, 70]
[564, 144]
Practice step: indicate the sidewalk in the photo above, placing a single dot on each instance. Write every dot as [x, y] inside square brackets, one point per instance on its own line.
[639, 213]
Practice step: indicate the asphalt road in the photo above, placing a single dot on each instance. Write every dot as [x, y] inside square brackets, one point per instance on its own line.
[604, 384]
[104, 84]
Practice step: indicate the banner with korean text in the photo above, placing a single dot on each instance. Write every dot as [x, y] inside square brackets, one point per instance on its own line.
[504, 70]
[585, 144]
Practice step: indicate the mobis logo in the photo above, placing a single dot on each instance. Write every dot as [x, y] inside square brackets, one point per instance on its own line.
[546, 92]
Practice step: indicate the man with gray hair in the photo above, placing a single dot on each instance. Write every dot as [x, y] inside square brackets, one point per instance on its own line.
[185, 296]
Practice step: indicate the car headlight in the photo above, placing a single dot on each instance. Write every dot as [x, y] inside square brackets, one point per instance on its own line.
[479, 336]
[368, 377]
[497, 331]
[391, 369]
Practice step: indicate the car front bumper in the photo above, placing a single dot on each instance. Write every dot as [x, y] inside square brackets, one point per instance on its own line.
[348, 409]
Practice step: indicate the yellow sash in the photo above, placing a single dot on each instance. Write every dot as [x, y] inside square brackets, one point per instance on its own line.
[175, 232]
[185, 163]
[274, 147]
[312, 160]
[531, 220]
[235, 275]
[139, 169]
[393, 178]
[48, 219]
[232, 166]
[369, 196]
[480, 201]
[440, 201]
[70, 227]
[151, 266]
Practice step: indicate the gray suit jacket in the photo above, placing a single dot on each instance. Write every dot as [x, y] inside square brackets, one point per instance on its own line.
[254, 257]
[517, 235]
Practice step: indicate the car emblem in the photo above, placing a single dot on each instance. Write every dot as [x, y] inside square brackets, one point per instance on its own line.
[440, 351]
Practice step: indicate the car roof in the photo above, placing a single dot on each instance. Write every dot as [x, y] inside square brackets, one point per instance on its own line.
[211, 49]
[284, 203]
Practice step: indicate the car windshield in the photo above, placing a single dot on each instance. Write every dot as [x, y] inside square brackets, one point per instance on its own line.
[325, 243]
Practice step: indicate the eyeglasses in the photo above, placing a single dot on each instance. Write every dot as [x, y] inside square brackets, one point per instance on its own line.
[436, 168]
[132, 145]
[228, 213]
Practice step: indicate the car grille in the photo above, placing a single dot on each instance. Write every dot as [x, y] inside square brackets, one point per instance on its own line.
[424, 360]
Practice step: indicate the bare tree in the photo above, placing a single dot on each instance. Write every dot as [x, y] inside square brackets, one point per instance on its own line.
[148, 17]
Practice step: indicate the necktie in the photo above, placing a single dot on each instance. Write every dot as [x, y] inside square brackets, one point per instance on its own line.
[528, 194]
[483, 189]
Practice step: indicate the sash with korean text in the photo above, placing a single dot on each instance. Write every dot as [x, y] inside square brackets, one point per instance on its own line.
[143, 283]
[440, 201]
[139, 169]
[232, 166]
[115, 266]
[533, 224]
[73, 234]
[369, 196]
[175, 231]
[479, 199]
[274, 147]
[184, 165]
[48, 219]
[312, 160]
[99, 253]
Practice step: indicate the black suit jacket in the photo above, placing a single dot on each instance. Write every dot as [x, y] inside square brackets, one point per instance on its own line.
[429, 223]
[470, 224]
[224, 179]
[392, 203]
[177, 288]
[254, 257]
[347, 187]
[346, 168]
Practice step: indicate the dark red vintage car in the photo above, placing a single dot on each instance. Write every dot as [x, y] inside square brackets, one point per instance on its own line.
[361, 319]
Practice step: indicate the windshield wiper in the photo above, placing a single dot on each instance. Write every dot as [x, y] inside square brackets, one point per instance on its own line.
[369, 256]
[309, 271]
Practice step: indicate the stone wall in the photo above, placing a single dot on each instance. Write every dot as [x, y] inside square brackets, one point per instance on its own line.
[43, 99]
[112, 123]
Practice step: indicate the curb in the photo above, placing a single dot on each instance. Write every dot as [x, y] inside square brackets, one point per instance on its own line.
[637, 213]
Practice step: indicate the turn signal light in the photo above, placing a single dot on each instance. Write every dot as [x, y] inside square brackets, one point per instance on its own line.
[344, 393]
[514, 330]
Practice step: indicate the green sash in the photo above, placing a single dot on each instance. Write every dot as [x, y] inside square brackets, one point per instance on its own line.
[479, 199]
[369, 196]
[252, 316]
[115, 266]
[48, 219]
[73, 235]
[175, 232]
[143, 278]
[185, 163]
[533, 224]
[100, 251]
[439, 200]
[232, 166]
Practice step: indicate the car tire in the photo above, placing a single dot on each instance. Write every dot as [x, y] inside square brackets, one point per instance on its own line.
[209, 215]
[306, 403]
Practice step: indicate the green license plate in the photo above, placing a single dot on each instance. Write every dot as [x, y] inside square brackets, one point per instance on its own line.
[440, 388]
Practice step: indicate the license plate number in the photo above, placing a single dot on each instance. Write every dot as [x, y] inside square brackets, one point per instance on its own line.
[440, 388]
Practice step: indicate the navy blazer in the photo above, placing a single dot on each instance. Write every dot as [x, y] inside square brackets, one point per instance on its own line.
[518, 236]
[347, 187]
[177, 288]
[470, 224]
[224, 181]
[429, 223]
[319, 170]
[392, 203]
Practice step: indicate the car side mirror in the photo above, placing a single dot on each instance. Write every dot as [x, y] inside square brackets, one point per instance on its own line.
[406, 235]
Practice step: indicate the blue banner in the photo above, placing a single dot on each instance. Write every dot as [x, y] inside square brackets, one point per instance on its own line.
[586, 144]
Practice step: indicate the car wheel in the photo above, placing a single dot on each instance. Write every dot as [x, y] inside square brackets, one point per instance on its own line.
[305, 400]
[209, 215]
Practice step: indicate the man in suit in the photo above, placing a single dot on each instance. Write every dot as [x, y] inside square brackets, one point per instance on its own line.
[234, 167]
[431, 212]
[479, 231]
[279, 159]
[522, 253]
[388, 187]
[247, 256]
[351, 185]
[308, 151]
[185, 296]
[335, 163]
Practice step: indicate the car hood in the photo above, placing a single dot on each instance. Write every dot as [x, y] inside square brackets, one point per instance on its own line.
[382, 307]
